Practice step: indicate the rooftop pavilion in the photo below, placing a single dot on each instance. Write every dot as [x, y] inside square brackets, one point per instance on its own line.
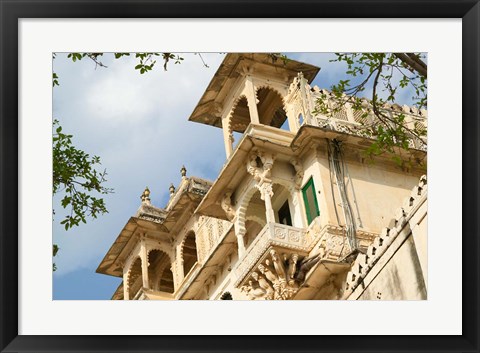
[243, 75]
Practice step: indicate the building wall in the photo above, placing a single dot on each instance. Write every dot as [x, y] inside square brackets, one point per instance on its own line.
[399, 278]
[374, 190]
[377, 192]
[395, 265]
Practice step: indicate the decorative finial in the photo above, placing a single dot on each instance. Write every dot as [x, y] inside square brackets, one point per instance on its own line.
[183, 171]
[172, 189]
[146, 195]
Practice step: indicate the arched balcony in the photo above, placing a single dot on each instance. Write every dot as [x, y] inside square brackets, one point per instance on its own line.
[270, 107]
[254, 218]
[159, 272]
[262, 106]
[189, 252]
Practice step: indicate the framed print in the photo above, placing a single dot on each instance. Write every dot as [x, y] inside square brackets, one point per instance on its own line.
[256, 199]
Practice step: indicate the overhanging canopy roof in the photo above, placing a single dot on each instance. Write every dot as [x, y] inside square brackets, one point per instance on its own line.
[208, 109]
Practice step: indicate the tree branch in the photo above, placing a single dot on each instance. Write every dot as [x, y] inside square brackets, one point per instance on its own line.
[413, 64]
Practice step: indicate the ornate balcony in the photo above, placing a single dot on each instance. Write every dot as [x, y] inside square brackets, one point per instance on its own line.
[280, 261]
[275, 245]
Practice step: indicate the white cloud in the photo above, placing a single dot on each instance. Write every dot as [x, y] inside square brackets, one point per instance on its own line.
[138, 125]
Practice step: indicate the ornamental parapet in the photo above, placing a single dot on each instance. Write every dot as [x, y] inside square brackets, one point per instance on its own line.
[337, 113]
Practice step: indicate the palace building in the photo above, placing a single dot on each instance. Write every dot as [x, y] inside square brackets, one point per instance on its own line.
[297, 212]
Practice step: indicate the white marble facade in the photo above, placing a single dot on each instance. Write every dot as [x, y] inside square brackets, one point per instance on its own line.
[295, 213]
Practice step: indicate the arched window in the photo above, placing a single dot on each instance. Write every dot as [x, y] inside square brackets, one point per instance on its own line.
[281, 205]
[240, 117]
[255, 218]
[270, 107]
[159, 273]
[253, 227]
[166, 281]
[189, 253]
[135, 278]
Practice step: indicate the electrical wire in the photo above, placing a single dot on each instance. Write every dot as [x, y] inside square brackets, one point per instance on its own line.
[339, 172]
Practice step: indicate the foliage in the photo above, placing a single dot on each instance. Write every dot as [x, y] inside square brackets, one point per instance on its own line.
[55, 251]
[75, 176]
[145, 61]
[74, 172]
[391, 73]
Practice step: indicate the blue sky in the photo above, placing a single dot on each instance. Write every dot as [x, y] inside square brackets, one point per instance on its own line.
[138, 125]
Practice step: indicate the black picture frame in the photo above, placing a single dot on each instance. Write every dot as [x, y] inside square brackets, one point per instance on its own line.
[12, 11]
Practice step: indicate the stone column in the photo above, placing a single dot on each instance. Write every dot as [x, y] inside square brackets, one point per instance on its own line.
[266, 194]
[292, 121]
[305, 101]
[251, 100]
[227, 136]
[126, 295]
[240, 233]
[144, 258]
[179, 265]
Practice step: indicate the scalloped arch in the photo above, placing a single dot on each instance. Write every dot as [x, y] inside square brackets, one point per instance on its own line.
[159, 248]
[235, 103]
[130, 267]
[271, 88]
[243, 205]
[182, 243]
[244, 202]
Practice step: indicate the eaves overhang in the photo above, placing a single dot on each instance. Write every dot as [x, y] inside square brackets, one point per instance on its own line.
[116, 255]
[208, 109]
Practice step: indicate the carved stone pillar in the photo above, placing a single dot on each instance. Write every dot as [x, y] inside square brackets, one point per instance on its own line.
[180, 275]
[292, 119]
[304, 96]
[144, 258]
[252, 100]
[227, 135]
[266, 193]
[240, 232]
[126, 295]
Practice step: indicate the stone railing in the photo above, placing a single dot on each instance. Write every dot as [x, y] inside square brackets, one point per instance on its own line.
[273, 234]
[302, 101]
